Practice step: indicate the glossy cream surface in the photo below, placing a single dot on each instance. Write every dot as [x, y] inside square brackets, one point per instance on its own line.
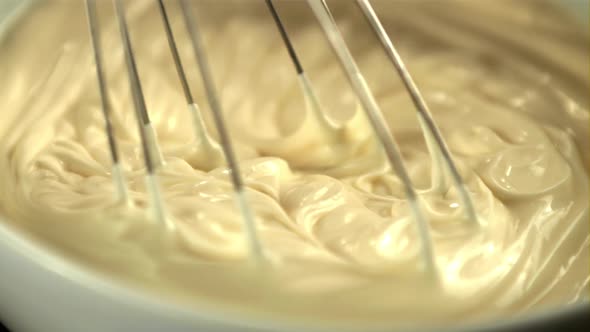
[507, 82]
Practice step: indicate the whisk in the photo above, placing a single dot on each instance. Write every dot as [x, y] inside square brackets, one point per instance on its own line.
[438, 150]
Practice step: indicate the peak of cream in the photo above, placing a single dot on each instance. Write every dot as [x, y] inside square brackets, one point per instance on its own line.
[333, 219]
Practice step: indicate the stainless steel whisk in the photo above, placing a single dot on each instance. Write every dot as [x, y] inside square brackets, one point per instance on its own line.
[153, 159]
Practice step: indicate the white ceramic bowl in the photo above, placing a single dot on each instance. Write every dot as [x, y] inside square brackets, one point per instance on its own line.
[42, 292]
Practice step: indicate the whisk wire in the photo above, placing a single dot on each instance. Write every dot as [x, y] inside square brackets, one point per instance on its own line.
[143, 120]
[117, 173]
[439, 150]
[226, 143]
[198, 123]
[304, 81]
[378, 123]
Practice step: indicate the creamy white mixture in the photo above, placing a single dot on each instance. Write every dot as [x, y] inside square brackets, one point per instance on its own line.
[507, 81]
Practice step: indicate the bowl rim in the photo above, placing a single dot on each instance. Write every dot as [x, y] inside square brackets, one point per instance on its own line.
[83, 277]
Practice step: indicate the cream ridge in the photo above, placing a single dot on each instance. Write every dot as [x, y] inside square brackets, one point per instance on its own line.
[507, 82]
